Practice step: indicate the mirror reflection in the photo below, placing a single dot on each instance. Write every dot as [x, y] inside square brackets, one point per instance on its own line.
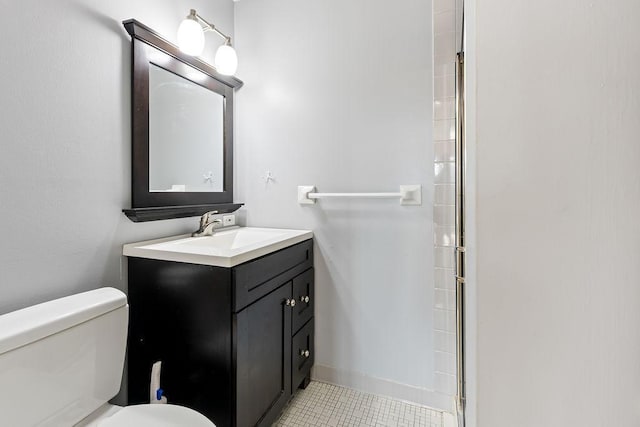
[186, 135]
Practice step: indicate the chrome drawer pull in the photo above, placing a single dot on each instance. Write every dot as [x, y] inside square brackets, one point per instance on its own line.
[305, 299]
[290, 302]
[305, 353]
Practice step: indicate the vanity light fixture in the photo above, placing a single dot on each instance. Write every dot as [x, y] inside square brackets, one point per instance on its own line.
[191, 41]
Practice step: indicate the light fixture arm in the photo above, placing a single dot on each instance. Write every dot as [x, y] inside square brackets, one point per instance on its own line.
[207, 26]
[191, 41]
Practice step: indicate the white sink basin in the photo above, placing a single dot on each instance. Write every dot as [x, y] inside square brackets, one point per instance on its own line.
[224, 249]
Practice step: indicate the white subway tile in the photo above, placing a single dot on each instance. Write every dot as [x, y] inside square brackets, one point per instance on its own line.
[444, 109]
[445, 383]
[446, 59]
[444, 44]
[444, 215]
[444, 22]
[444, 172]
[444, 257]
[444, 151]
[445, 47]
[444, 341]
[444, 130]
[443, 67]
[445, 278]
[444, 320]
[444, 236]
[448, 284]
[445, 299]
[444, 194]
[445, 363]
[444, 86]
[440, 6]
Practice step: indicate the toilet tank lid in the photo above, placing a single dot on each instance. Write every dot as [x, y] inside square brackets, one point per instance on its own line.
[31, 324]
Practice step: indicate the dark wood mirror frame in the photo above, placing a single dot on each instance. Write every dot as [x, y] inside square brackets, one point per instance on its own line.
[146, 205]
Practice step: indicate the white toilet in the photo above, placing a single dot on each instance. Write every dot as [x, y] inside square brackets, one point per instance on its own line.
[61, 361]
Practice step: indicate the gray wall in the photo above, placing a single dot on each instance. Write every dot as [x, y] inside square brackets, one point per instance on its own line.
[339, 94]
[65, 123]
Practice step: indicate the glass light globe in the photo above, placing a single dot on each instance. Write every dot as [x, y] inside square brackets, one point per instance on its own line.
[190, 37]
[226, 60]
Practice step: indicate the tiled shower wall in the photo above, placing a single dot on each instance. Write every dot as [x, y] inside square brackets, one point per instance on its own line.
[446, 25]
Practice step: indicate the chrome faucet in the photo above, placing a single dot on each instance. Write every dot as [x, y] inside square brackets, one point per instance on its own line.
[207, 225]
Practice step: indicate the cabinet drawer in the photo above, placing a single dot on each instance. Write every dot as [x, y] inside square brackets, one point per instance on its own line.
[302, 355]
[254, 279]
[303, 294]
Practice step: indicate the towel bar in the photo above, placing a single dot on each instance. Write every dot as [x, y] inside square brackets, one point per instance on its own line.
[408, 195]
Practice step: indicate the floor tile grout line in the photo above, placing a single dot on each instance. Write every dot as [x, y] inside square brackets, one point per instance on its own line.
[323, 404]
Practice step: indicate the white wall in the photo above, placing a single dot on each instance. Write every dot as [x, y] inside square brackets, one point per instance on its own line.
[557, 205]
[65, 160]
[338, 94]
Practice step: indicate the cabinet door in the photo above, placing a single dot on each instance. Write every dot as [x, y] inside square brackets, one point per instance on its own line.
[263, 364]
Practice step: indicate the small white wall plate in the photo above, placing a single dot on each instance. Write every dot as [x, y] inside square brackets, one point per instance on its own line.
[411, 195]
[303, 194]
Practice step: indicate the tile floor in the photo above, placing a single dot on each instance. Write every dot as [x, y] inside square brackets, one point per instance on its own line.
[332, 406]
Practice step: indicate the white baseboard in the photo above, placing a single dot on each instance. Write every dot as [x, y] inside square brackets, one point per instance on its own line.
[382, 387]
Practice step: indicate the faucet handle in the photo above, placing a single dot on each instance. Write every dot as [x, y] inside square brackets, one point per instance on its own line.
[204, 219]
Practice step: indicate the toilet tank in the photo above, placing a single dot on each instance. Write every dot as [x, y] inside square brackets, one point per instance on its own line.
[63, 359]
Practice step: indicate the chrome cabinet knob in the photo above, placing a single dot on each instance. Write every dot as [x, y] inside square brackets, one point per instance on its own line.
[304, 353]
[305, 299]
[290, 302]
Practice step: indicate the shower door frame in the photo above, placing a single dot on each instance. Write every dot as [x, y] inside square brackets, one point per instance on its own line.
[460, 180]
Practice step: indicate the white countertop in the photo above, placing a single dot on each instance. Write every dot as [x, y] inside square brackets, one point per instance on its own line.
[226, 248]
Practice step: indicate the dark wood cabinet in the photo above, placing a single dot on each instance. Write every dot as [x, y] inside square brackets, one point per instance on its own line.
[235, 343]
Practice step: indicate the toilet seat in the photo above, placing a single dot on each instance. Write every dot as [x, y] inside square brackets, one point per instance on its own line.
[157, 415]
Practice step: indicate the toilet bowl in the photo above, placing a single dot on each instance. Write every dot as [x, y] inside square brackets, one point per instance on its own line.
[146, 416]
[61, 362]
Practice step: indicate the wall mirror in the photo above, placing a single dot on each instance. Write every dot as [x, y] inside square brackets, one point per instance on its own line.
[182, 131]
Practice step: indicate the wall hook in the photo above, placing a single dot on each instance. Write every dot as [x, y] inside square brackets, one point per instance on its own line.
[268, 177]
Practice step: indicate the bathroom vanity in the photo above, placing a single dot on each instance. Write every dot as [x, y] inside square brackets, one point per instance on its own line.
[229, 315]
[231, 321]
